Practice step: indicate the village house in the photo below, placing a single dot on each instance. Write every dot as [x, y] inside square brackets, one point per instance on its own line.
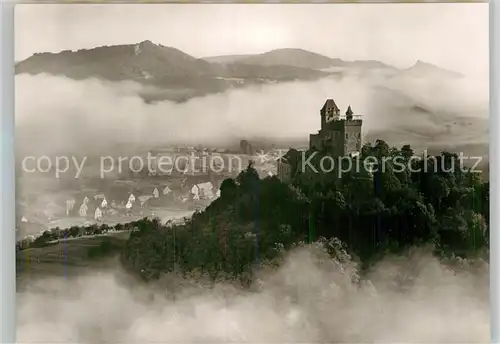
[203, 191]
[83, 210]
[98, 214]
[128, 206]
[99, 196]
[144, 199]
[70, 204]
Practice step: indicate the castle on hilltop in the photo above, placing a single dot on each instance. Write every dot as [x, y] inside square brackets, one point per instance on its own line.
[338, 135]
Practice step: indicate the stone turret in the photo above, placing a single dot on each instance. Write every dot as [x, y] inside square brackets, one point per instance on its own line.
[348, 114]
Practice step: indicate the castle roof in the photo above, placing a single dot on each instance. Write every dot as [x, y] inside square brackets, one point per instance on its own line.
[330, 103]
[349, 111]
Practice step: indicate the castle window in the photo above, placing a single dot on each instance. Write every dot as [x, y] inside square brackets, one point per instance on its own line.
[347, 136]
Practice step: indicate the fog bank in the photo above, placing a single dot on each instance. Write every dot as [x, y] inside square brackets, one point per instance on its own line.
[311, 298]
[56, 114]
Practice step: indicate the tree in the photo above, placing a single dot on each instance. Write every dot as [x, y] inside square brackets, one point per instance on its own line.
[228, 189]
[381, 148]
[248, 178]
[293, 158]
[407, 152]
[372, 213]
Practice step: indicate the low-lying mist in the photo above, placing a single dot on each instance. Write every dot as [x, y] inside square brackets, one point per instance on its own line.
[56, 114]
[310, 299]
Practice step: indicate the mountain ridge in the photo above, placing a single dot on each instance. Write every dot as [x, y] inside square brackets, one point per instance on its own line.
[171, 74]
[422, 68]
[277, 56]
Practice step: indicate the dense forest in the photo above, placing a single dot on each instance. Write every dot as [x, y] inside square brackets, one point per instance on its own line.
[371, 212]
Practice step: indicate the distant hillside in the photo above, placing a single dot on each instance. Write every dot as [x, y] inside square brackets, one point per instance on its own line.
[173, 74]
[297, 58]
[289, 57]
[224, 59]
[141, 61]
[170, 74]
[424, 69]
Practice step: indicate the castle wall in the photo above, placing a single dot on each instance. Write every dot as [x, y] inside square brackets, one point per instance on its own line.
[284, 171]
[352, 136]
[315, 141]
[334, 125]
[333, 142]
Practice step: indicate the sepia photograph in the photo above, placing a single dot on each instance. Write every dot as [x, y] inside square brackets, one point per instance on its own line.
[252, 173]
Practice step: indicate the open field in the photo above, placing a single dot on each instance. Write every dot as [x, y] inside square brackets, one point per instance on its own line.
[65, 258]
[70, 257]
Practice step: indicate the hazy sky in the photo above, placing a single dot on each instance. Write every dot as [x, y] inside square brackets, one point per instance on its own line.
[453, 36]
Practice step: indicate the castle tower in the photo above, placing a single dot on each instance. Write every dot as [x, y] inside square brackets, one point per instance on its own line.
[337, 136]
[352, 130]
[329, 112]
[348, 114]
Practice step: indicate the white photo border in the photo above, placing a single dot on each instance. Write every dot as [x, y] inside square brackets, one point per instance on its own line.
[494, 154]
[7, 166]
[7, 180]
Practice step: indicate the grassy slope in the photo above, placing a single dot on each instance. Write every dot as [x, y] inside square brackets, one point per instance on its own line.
[70, 257]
